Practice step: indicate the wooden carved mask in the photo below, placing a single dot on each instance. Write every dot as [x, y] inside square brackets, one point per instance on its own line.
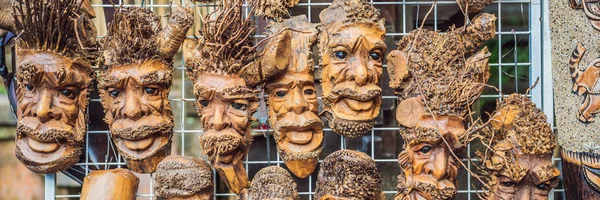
[351, 45]
[293, 106]
[53, 77]
[134, 83]
[435, 88]
[520, 162]
[271, 183]
[180, 177]
[348, 174]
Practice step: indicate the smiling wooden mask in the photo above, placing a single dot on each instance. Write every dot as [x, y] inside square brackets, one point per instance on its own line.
[134, 83]
[435, 89]
[519, 166]
[351, 45]
[53, 77]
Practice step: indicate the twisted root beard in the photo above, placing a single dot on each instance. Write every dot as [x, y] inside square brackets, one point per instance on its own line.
[225, 143]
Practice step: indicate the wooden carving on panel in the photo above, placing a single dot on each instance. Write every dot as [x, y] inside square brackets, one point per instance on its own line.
[435, 88]
[585, 82]
[180, 177]
[273, 183]
[134, 81]
[519, 164]
[351, 45]
[591, 9]
[348, 174]
[292, 101]
[53, 76]
[222, 65]
[110, 184]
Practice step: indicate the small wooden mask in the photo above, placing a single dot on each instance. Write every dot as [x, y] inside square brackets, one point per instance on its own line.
[348, 174]
[134, 83]
[293, 106]
[435, 88]
[520, 163]
[351, 45]
[271, 183]
[110, 184]
[179, 177]
[53, 77]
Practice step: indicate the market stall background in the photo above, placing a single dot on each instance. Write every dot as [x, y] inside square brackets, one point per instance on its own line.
[516, 63]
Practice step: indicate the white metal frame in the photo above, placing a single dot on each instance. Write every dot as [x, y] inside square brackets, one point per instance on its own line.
[540, 66]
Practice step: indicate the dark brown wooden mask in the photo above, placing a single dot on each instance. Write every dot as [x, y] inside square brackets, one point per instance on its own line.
[53, 77]
[110, 184]
[520, 165]
[135, 80]
[180, 177]
[352, 47]
[293, 105]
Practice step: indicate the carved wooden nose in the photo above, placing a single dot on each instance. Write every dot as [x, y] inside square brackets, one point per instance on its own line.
[133, 108]
[297, 105]
[218, 120]
[43, 109]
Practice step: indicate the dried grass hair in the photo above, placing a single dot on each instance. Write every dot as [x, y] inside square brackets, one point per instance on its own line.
[54, 26]
[225, 45]
[448, 69]
[133, 37]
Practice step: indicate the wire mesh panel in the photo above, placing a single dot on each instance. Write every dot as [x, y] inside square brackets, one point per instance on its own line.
[515, 64]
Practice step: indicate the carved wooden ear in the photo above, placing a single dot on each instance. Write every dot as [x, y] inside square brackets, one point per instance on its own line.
[397, 67]
[275, 58]
[86, 7]
[180, 22]
[409, 111]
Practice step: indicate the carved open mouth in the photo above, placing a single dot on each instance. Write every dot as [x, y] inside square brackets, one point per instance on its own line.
[144, 147]
[352, 109]
[222, 146]
[303, 132]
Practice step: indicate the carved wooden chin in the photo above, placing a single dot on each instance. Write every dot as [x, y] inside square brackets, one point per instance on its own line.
[110, 184]
[179, 177]
[51, 119]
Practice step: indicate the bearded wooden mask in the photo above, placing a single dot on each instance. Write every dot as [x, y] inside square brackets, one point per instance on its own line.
[135, 80]
[271, 183]
[110, 184]
[351, 45]
[520, 164]
[348, 174]
[53, 77]
[293, 106]
[435, 89]
[179, 177]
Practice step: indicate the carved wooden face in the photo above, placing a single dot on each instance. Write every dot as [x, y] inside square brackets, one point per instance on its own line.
[135, 99]
[352, 67]
[530, 177]
[225, 105]
[293, 109]
[52, 95]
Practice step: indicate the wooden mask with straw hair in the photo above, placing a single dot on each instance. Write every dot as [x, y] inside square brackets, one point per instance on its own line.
[134, 81]
[56, 48]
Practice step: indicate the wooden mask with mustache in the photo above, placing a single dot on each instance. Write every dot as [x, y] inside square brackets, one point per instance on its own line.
[134, 81]
[435, 89]
[53, 77]
[352, 46]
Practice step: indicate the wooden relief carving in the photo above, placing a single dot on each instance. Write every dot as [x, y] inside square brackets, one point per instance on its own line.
[53, 77]
[292, 101]
[273, 183]
[110, 184]
[519, 165]
[591, 9]
[348, 174]
[180, 177]
[585, 83]
[351, 45]
[435, 89]
[223, 69]
[134, 81]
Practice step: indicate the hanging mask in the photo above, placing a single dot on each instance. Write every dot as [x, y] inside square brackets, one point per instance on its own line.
[180, 177]
[110, 184]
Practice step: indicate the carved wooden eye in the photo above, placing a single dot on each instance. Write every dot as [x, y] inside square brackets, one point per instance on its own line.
[340, 55]
[114, 93]
[375, 55]
[542, 186]
[425, 149]
[309, 92]
[238, 106]
[280, 94]
[149, 90]
[29, 87]
[67, 93]
[508, 184]
[204, 103]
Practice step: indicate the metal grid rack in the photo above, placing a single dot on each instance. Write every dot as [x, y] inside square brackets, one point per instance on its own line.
[522, 57]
